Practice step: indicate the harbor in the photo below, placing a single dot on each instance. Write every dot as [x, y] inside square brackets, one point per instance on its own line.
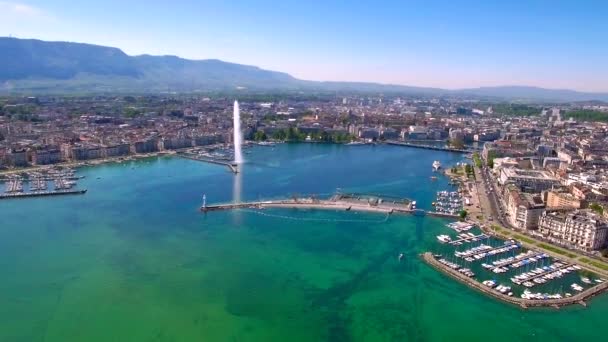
[524, 302]
[41, 183]
[504, 270]
[449, 202]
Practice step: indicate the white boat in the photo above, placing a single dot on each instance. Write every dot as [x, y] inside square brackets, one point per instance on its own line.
[436, 165]
[443, 238]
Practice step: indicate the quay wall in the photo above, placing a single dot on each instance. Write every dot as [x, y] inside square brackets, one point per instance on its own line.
[578, 298]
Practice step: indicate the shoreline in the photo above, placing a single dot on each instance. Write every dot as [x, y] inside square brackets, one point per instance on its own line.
[130, 157]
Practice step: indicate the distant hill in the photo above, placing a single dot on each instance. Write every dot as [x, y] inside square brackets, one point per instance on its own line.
[35, 66]
[535, 93]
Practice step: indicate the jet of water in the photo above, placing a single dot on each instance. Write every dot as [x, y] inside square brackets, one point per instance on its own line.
[238, 135]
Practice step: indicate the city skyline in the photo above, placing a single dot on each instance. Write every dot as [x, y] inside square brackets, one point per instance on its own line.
[435, 44]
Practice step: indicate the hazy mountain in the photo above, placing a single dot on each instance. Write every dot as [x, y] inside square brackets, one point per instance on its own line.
[535, 93]
[35, 66]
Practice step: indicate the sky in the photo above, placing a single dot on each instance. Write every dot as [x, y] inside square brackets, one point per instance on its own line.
[432, 43]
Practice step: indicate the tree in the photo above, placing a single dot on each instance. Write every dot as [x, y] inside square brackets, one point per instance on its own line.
[279, 135]
[131, 112]
[597, 208]
[463, 214]
[490, 161]
[456, 143]
[260, 136]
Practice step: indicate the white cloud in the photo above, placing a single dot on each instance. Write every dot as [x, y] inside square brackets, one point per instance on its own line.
[20, 11]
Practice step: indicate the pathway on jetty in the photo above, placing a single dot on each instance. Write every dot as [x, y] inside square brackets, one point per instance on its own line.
[337, 202]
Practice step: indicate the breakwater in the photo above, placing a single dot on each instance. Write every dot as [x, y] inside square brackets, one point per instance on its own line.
[232, 166]
[42, 194]
[332, 204]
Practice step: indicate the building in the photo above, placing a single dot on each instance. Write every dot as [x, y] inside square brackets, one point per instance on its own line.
[46, 157]
[581, 229]
[564, 200]
[145, 146]
[16, 157]
[533, 181]
[85, 152]
[417, 133]
[523, 209]
[117, 150]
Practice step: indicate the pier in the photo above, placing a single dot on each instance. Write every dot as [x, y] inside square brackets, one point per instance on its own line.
[578, 298]
[515, 260]
[339, 202]
[469, 239]
[232, 166]
[41, 193]
[539, 275]
[488, 252]
[430, 147]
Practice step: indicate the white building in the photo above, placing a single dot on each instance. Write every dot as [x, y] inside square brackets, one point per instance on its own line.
[533, 181]
[582, 229]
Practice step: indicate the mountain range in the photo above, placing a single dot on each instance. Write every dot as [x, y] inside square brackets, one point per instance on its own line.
[35, 66]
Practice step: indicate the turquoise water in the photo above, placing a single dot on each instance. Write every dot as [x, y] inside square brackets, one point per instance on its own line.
[134, 260]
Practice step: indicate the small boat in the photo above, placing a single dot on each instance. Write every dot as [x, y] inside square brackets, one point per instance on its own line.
[436, 165]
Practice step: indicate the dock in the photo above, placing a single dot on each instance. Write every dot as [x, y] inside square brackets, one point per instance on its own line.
[487, 251]
[42, 193]
[531, 279]
[578, 298]
[470, 239]
[511, 262]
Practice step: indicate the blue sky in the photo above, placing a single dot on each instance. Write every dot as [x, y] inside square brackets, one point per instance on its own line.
[435, 43]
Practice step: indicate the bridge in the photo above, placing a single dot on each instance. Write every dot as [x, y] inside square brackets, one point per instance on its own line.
[431, 147]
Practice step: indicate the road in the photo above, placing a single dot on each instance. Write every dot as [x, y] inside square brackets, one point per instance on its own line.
[487, 192]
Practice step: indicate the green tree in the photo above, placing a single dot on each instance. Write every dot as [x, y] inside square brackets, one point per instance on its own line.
[597, 208]
[456, 143]
[131, 112]
[468, 169]
[490, 161]
[279, 135]
[463, 214]
[260, 136]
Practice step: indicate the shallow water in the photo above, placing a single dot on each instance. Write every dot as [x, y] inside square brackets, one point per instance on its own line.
[134, 260]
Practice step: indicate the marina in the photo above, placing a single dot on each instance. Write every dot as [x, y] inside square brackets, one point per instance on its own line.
[525, 300]
[512, 276]
[448, 202]
[41, 183]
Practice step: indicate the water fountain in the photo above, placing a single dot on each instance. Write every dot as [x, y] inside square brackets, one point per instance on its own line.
[238, 135]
